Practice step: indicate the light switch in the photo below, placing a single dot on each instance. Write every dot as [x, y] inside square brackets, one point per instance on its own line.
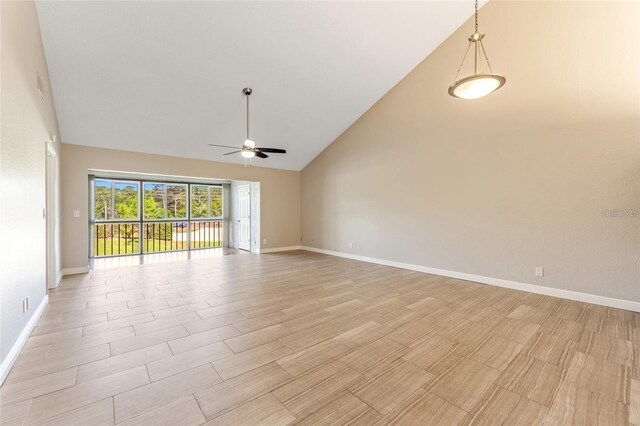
[76, 213]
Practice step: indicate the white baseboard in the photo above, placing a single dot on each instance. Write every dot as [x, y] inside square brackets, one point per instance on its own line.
[628, 305]
[74, 271]
[22, 339]
[277, 249]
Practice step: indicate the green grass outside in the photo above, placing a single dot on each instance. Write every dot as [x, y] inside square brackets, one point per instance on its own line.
[115, 247]
[122, 246]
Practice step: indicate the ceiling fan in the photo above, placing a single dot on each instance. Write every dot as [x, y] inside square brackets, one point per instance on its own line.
[248, 148]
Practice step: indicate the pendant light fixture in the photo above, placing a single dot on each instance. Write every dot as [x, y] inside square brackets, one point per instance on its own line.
[478, 84]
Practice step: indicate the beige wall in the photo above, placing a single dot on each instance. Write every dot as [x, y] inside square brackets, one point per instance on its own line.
[26, 121]
[500, 185]
[279, 193]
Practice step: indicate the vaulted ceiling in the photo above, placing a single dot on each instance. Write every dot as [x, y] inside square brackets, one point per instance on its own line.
[167, 77]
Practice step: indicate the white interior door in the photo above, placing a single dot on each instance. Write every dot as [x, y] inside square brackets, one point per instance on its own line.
[244, 217]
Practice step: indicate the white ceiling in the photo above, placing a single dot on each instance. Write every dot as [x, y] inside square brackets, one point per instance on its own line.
[167, 77]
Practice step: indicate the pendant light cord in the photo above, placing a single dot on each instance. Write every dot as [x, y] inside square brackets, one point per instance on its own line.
[247, 116]
[475, 48]
[476, 16]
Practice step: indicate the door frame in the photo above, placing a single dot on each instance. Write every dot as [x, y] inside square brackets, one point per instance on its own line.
[50, 215]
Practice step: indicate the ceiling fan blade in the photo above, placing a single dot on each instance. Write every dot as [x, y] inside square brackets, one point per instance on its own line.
[223, 146]
[261, 154]
[232, 152]
[273, 150]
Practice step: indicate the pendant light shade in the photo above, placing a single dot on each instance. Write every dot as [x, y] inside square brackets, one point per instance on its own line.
[480, 83]
[476, 86]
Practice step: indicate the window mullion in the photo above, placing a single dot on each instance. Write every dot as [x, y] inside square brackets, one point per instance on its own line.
[188, 211]
[164, 197]
[113, 199]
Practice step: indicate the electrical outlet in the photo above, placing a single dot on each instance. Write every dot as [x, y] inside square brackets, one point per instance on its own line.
[350, 244]
[539, 271]
[76, 213]
[264, 241]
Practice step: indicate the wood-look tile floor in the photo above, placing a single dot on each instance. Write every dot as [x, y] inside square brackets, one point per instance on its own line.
[305, 338]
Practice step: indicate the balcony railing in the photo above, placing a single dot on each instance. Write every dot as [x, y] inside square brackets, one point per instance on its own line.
[206, 234]
[123, 238]
[114, 239]
[164, 236]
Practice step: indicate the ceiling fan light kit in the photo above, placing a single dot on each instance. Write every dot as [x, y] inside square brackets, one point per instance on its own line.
[480, 83]
[248, 148]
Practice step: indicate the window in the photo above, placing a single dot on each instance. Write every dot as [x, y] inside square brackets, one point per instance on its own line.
[134, 217]
[126, 200]
[165, 201]
[206, 201]
[103, 200]
[115, 200]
